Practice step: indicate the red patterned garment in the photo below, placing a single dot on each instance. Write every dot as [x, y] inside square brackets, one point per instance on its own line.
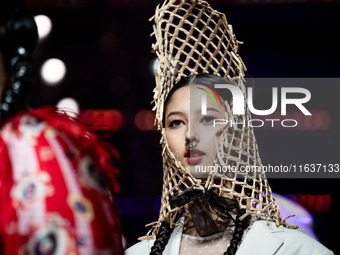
[54, 198]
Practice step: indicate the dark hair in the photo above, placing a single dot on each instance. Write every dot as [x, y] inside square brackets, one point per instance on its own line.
[20, 38]
[240, 226]
[162, 239]
[202, 78]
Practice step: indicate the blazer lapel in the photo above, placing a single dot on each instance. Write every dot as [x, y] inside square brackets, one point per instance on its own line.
[261, 239]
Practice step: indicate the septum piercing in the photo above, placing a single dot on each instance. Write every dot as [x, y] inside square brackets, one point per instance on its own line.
[191, 144]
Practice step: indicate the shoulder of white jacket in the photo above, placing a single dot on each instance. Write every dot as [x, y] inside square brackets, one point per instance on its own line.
[268, 238]
[140, 248]
[298, 237]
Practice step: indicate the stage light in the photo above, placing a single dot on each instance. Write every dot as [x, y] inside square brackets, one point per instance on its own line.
[319, 204]
[44, 25]
[144, 120]
[70, 106]
[104, 120]
[310, 202]
[154, 66]
[326, 204]
[53, 71]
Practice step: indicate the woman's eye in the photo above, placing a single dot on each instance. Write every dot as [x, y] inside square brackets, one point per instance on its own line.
[208, 120]
[175, 123]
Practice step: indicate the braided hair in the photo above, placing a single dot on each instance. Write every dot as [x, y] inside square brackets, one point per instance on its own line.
[165, 231]
[240, 225]
[162, 238]
[18, 41]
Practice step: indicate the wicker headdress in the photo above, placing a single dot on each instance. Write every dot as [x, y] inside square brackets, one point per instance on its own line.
[193, 38]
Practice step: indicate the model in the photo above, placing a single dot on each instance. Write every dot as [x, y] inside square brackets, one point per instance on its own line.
[209, 204]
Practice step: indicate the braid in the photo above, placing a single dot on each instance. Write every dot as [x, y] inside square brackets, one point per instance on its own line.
[238, 233]
[240, 225]
[162, 239]
[21, 36]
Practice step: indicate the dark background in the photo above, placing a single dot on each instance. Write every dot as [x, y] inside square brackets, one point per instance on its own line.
[107, 51]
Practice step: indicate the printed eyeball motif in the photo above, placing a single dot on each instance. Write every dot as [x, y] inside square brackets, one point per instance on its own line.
[90, 176]
[81, 206]
[34, 187]
[46, 245]
[53, 239]
[31, 127]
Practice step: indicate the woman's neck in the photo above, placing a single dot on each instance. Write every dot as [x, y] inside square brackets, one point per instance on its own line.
[190, 229]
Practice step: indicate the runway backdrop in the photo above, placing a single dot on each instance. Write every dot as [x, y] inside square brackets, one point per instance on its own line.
[106, 49]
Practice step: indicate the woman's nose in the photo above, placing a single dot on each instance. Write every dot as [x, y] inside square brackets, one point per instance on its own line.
[192, 134]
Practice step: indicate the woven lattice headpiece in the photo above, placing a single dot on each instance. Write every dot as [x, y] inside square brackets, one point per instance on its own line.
[193, 38]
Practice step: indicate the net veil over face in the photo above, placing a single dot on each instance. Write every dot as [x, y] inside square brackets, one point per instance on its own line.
[192, 38]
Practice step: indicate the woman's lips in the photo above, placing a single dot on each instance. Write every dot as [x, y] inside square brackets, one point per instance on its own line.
[194, 156]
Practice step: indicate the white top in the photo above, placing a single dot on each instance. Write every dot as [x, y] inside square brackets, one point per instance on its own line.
[214, 244]
[263, 238]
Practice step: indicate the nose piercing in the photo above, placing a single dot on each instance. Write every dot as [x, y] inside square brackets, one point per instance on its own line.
[191, 144]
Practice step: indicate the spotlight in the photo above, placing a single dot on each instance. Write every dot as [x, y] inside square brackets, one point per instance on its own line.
[154, 66]
[144, 120]
[44, 25]
[69, 105]
[53, 71]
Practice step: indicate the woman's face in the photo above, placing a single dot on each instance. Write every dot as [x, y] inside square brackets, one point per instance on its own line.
[184, 121]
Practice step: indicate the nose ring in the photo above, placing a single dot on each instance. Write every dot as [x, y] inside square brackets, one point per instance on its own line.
[191, 144]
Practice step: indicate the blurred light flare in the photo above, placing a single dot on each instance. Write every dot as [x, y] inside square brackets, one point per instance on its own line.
[144, 120]
[154, 66]
[44, 25]
[104, 120]
[70, 105]
[53, 71]
[318, 204]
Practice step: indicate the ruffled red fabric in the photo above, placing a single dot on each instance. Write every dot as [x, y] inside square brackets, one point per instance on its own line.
[54, 175]
[104, 154]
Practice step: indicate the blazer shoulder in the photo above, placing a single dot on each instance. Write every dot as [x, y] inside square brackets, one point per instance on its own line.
[140, 248]
[297, 242]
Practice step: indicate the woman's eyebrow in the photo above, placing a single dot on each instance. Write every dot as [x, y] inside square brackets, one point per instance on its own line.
[213, 109]
[175, 113]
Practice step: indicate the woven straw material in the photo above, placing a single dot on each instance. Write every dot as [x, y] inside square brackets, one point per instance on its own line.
[193, 38]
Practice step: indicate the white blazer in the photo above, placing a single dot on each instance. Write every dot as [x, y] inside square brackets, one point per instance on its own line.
[263, 238]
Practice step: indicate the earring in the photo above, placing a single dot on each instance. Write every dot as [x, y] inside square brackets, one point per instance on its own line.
[191, 144]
